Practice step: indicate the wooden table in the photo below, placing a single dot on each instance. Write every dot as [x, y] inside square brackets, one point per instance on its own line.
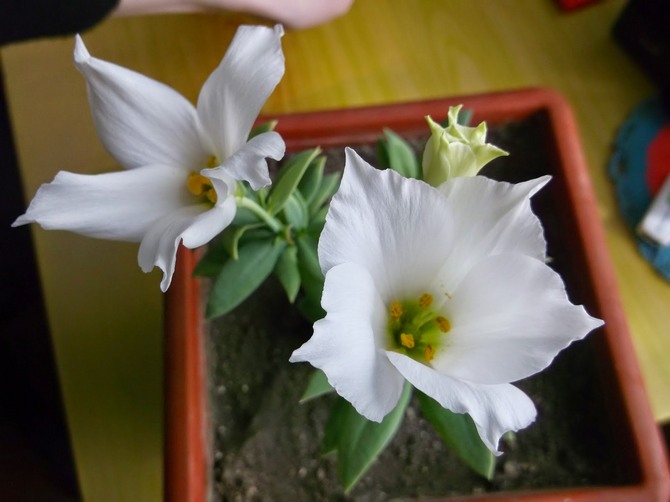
[105, 315]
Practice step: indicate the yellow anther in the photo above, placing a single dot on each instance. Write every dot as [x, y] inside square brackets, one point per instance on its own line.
[396, 311]
[426, 300]
[211, 195]
[407, 340]
[443, 323]
[212, 162]
[197, 184]
[428, 353]
[200, 185]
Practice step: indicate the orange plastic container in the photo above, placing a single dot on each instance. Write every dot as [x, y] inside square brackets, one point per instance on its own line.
[187, 447]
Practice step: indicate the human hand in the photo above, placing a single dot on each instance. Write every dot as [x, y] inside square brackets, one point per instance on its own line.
[291, 13]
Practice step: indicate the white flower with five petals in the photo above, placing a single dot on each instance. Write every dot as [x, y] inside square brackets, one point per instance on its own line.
[182, 162]
[446, 288]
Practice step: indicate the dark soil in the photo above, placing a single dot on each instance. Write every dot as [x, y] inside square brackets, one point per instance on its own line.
[267, 446]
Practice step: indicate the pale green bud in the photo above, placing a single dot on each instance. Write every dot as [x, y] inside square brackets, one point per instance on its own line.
[456, 150]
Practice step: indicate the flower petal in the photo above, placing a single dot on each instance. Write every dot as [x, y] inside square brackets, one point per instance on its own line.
[195, 224]
[510, 316]
[118, 206]
[491, 217]
[248, 163]
[139, 120]
[234, 93]
[344, 343]
[209, 224]
[495, 409]
[399, 229]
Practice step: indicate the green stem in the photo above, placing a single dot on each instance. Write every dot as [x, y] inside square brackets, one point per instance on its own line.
[272, 222]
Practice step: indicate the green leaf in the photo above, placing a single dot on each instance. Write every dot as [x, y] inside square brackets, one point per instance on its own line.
[465, 117]
[236, 236]
[382, 154]
[296, 212]
[336, 423]
[459, 433]
[310, 308]
[288, 178]
[288, 273]
[308, 257]
[359, 441]
[317, 386]
[214, 258]
[244, 216]
[317, 221]
[401, 156]
[262, 195]
[329, 185]
[239, 278]
[263, 127]
[311, 181]
[311, 278]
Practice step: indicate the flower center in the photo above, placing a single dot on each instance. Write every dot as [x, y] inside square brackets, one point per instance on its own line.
[200, 185]
[415, 329]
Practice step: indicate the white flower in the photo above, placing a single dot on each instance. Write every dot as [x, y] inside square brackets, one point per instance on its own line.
[445, 288]
[456, 150]
[167, 194]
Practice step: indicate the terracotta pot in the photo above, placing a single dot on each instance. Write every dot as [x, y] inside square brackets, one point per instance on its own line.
[187, 459]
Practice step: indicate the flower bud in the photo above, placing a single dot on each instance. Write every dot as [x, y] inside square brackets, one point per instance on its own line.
[456, 150]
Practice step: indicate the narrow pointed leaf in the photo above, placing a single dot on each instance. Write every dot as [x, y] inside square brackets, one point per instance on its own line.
[311, 278]
[224, 246]
[288, 273]
[317, 386]
[236, 236]
[401, 157]
[465, 117]
[310, 270]
[308, 258]
[329, 185]
[311, 181]
[459, 433]
[262, 195]
[382, 154]
[296, 212]
[239, 278]
[244, 216]
[360, 441]
[214, 258]
[310, 308]
[263, 127]
[335, 424]
[318, 221]
[287, 180]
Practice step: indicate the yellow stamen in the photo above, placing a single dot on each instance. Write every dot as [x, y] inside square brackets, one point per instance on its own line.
[426, 300]
[211, 195]
[212, 162]
[416, 329]
[407, 340]
[396, 311]
[197, 184]
[443, 323]
[429, 353]
[200, 185]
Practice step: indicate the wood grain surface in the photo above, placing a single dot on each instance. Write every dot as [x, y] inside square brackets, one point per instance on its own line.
[106, 316]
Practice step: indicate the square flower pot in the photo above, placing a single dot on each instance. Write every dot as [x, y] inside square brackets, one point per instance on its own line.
[576, 243]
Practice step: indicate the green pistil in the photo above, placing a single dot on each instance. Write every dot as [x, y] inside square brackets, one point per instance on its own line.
[415, 329]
